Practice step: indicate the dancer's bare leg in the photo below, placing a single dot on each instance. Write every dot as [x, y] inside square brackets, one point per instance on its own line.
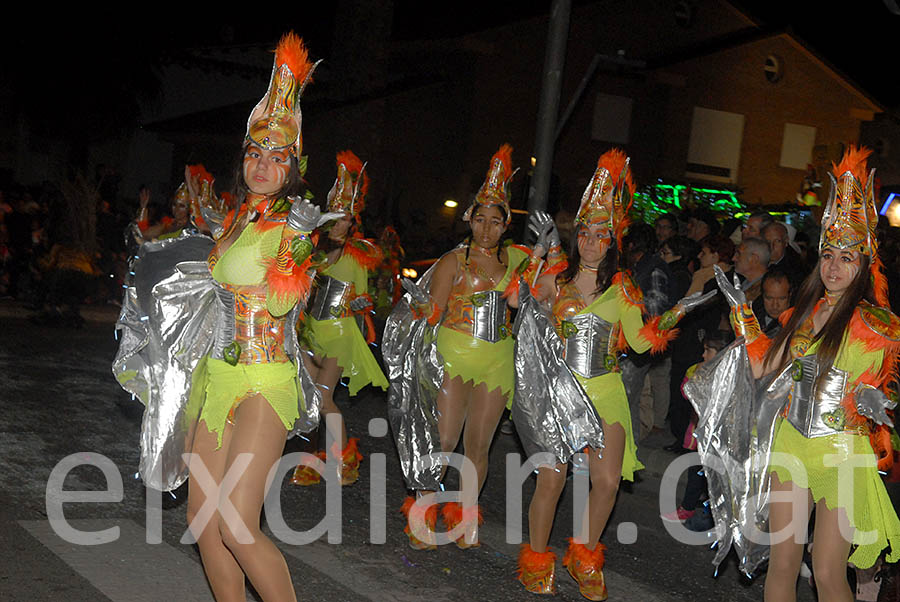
[786, 553]
[226, 579]
[830, 553]
[482, 419]
[258, 431]
[452, 406]
[606, 474]
[326, 373]
[327, 379]
[542, 511]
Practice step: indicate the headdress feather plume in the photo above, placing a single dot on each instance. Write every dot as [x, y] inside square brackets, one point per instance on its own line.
[292, 52]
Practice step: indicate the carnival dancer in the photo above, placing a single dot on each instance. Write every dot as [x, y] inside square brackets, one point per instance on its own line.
[338, 326]
[450, 356]
[596, 311]
[818, 433]
[231, 388]
[194, 192]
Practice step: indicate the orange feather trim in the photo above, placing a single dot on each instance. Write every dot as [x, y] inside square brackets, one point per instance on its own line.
[453, 514]
[287, 286]
[431, 514]
[557, 268]
[505, 156]
[349, 452]
[199, 171]
[879, 282]
[613, 161]
[852, 416]
[873, 341]
[512, 289]
[592, 560]
[659, 339]
[533, 562]
[230, 218]
[880, 439]
[363, 252]
[757, 349]
[854, 161]
[628, 290]
[354, 165]
[292, 52]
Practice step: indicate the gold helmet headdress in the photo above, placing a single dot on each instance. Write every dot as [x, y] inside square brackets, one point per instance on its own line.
[609, 195]
[494, 192]
[274, 123]
[850, 219]
[348, 194]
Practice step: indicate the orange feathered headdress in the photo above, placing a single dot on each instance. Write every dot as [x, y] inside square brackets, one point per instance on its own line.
[609, 195]
[349, 191]
[495, 189]
[850, 218]
[275, 122]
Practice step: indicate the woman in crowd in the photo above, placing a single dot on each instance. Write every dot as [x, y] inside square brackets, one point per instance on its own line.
[714, 250]
[466, 302]
[835, 356]
[596, 307]
[339, 312]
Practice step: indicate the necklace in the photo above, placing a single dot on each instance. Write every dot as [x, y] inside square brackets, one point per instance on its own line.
[486, 252]
[831, 299]
[588, 268]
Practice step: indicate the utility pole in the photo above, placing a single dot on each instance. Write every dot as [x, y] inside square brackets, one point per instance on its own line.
[545, 140]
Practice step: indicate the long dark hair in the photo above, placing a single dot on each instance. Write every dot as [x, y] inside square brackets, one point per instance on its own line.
[832, 334]
[608, 267]
[293, 185]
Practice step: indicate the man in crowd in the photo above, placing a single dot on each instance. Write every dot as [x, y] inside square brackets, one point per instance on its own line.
[782, 256]
[657, 283]
[751, 259]
[666, 227]
[701, 224]
[776, 297]
[755, 224]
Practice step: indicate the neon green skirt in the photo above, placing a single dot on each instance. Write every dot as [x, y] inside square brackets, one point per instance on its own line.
[864, 498]
[476, 361]
[608, 396]
[342, 340]
[226, 386]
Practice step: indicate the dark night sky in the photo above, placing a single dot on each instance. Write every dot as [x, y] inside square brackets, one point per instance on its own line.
[50, 64]
[858, 38]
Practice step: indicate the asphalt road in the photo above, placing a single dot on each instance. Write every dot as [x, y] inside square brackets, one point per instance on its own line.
[60, 401]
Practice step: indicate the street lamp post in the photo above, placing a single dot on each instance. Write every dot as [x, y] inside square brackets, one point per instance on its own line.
[554, 60]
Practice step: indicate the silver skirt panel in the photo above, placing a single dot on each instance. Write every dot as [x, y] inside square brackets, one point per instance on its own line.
[328, 299]
[489, 316]
[586, 350]
[815, 409]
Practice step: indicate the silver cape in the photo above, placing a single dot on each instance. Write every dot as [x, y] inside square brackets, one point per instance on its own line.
[166, 331]
[735, 429]
[550, 409]
[415, 371]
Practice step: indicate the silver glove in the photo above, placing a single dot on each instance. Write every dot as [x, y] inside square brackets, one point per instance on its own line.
[695, 300]
[415, 291]
[732, 292]
[214, 220]
[306, 217]
[543, 226]
[873, 404]
[359, 304]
